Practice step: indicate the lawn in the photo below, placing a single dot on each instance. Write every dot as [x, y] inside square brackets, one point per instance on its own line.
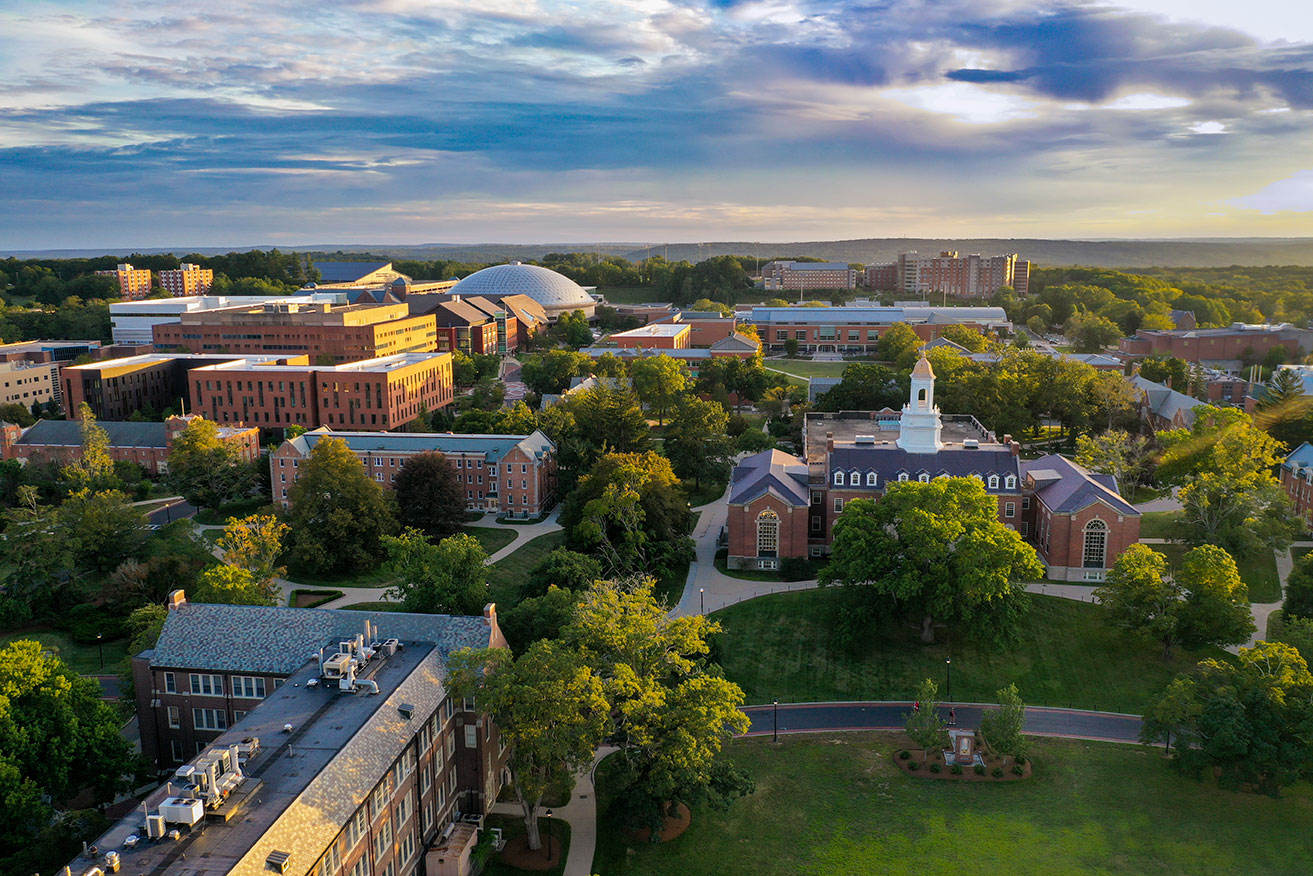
[374, 606]
[836, 805]
[504, 577]
[1297, 553]
[1158, 524]
[219, 516]
[784, 646]
[805, 368]
[1259, 572]
[492, 540]
[84, 659]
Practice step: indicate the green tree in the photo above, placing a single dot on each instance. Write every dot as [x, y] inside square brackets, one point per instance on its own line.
[936, 550]
[232, 585]
[1297, 632]
[563, 568]
[548, 706]
[17, 414]
[94, 468]
[607, 419]
[1284, 389]
[254, 543]
[865, 387]
[959, 334]
[205, 470]
[552, 371]
[659, 381]
[103, 529]
[1003, 727]
[1090, 333]
[672, 714]
[429, 498]
[339, 515]
[37, 554]
[1118, 453]
[144, 627]
[899, 344]
[696, 443]
[1299, 589]
[450, 577]
[573, 329]
[791, 348]
[538, 617]
[923, 725]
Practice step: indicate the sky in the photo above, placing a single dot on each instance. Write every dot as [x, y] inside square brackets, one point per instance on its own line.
[153, 124]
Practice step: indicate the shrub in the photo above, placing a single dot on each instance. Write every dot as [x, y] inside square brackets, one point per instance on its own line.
[956, 769]
[936, 768]
[914, 765]
[84, 622]
[14, 613]
[1017, 770]
[1019, 759]
[998, 772]
[980, 769]
[797, 569]
[904, 755]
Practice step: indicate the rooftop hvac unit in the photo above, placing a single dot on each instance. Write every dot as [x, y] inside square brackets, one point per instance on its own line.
[155, 827]
[112, 862]
[865, 439]
[971, 444]
[182, 810]
[391, 646]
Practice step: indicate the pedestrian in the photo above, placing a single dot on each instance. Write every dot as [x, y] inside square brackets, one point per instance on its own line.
[916, 707]
[952, 717]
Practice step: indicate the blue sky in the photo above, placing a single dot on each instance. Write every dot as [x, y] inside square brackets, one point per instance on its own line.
[408, 121]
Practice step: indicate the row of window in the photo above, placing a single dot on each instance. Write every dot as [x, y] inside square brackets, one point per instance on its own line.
[204, 684]
[854, 479]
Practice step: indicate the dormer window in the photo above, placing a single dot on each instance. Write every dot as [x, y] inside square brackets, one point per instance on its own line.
[838, 479]
[1011, 482]
[924, 478]
[855, 479]
[902, 477]
[870, 479]
[993, 482]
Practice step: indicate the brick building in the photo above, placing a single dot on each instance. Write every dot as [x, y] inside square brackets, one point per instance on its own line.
[1296, 475]
[306, 741]
[655, 336]
[970, 276]
[134, 283]
[858, 329]
[325, 331]
[463, 326]
[147, 444]
[785, 506]
[115, 388]
[1077, 521]
[374, 394]
[1162, 407]
[736, 346]
[1239, 341]
[187, 280]
[799, 276]
[511, 474]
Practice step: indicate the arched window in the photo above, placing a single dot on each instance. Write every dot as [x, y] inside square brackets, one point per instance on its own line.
[768, 533]
[920, 399]
[1011, 482]
[923, 478]
[855, 479]
[838, 479]
[1096, 544]
[870, 479]
[993, 482]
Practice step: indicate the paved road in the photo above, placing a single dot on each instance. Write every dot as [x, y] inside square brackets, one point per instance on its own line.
[822, 717]
[170, 513]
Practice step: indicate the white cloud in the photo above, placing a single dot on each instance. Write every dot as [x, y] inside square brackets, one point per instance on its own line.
[1209, 128]
[966, 102]
[1292, 194]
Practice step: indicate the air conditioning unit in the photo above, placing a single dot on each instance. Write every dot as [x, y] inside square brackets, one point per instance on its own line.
[155, 827]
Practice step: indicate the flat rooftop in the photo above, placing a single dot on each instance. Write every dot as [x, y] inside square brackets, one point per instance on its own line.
[302, 785]
[655, 330]
[882, 426]
[381, 365]
[146, 359]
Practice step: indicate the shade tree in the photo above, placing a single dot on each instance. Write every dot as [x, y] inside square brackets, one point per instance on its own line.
[429, 496]
[339, 514]
[450, 577]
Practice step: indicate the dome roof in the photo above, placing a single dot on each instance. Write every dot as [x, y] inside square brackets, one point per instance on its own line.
[555, 292]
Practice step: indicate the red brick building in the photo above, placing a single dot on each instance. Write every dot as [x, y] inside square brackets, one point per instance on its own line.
[511, 474]
[147, 444]
[969, 276]
[655, 336]
[1239, 341]
[375, 394]
[1076, 519]
[857, 329]
[1296, 476]
[798, 276]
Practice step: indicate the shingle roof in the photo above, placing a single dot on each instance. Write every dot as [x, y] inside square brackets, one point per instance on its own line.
[68, 433]
[346, 272]
[1165, 401]
[737, 341]
[1300, 457]
[877, 315]
[1075, 488]
[770, 471]
[279, 640]
[458, 313]
[494, 447]
[888, 461]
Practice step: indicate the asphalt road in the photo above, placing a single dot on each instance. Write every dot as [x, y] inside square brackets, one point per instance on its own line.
[823, 717]
[170, 513]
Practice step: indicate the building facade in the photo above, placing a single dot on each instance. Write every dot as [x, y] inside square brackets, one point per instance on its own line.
[134, 283]
[324, 331]
[1296, 475]
[116, 388]
[147, 444]
[655, 336]
[1076, 519]
[511, 474]
[800, 276]
[970, 276]
[858, 329]
[187, 280]
[1238, 342]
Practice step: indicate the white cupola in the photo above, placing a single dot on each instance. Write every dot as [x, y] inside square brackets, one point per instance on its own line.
[919, 427]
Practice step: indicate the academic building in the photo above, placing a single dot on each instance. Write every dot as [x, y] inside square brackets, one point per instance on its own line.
[785, 506]
[514, 475]
[1297, 480]
[858, 329]
[1239, 341]
[307, 742]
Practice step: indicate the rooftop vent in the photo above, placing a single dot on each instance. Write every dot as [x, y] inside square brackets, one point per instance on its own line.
[406, 710]
[865, 439]
[971, 444]
[278, 861]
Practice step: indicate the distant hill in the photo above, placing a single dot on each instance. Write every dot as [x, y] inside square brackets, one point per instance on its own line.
[1190, 252]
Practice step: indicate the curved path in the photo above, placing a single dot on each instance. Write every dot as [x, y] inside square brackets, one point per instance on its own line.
[829, 717]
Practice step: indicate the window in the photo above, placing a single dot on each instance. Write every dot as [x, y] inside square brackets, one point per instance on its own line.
[170, 683]
[1009, 509]
[1025, 503]
[209, 719]
[1010, 482]
[405, 808]
[356, 828]
[248, 686]
[467, 704]
[471, 736]
[816, 497]
[870, 479]
[175, 749]
[838, 479]
[209, 685]
[407, 849]
[902, 476]
[838, 505]
[923, 477]
[383, 839]
[175, 718]
[448, 707]
[768, 533]
[425, 780]
[816, 524]
[993, 482]
[1096, 544]
[238, 715]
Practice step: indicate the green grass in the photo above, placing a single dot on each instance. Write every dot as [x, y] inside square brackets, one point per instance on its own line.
[219, 516]
[373, 577]
[1297, 553]
[785, 646]
[492, 540]
[1158, 524]
[670, 586]
[1259, 571]
[805, 368]
[512, 826]
[83, 658]
[813, 570]
[504, 577]
[1140, 493]
[374, 606]
[312, 598]
[836, 805]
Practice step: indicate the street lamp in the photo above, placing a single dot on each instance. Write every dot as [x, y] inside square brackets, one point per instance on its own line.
[775, 733]
[549, 836]
[101, 649]
[948, 664]
[702, 599]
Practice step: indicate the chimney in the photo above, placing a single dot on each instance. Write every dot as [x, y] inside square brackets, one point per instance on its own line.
[490, 614]
[177, 599]
[1014, 446]
[829, 442]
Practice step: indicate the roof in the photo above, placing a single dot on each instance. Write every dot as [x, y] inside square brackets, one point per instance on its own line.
[494, 447]
[818, 386]
[1300, 457]
[942, 342]
[458, 313]
[888, 461]
[555, 292]
[922, 369]
[770, 471]
[380, 364]
[736, 342]
[277, 640]
[1075, 487]
[878, 315]
[347, 272]
[525, 308]
[812, 266]
[68, 433]
[1165, 401]
[655, 330]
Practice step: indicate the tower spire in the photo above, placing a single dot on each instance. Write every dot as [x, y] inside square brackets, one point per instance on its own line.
[920, 425]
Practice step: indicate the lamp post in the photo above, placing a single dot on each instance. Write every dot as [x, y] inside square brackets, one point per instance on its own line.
[549, 836]
[775, 732]
[702, 599]
[948, 665]
[101, 649]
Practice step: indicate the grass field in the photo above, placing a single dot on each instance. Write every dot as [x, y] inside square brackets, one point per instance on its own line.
[784, 647]
[1158, 524]
[504, 577]
[492, 540]
[1259, 572]
[84, 659]
[805, 368]
[836, 805]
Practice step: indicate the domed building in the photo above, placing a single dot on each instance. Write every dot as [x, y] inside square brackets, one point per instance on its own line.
[556, 293]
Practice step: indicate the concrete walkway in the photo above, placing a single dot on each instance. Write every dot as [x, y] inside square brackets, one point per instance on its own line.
[1165, 503]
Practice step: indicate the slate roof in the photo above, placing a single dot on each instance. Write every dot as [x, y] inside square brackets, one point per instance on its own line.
[1165, 401]
[279, 640]
[818, 386]
[494, 447]
[347, 272]
[1300, 457]
[888, 461]
[877, 315]
[738, 342]
[525, 308]
[455, 313]
[770, 471]
[1076, 487]
[68, 433]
